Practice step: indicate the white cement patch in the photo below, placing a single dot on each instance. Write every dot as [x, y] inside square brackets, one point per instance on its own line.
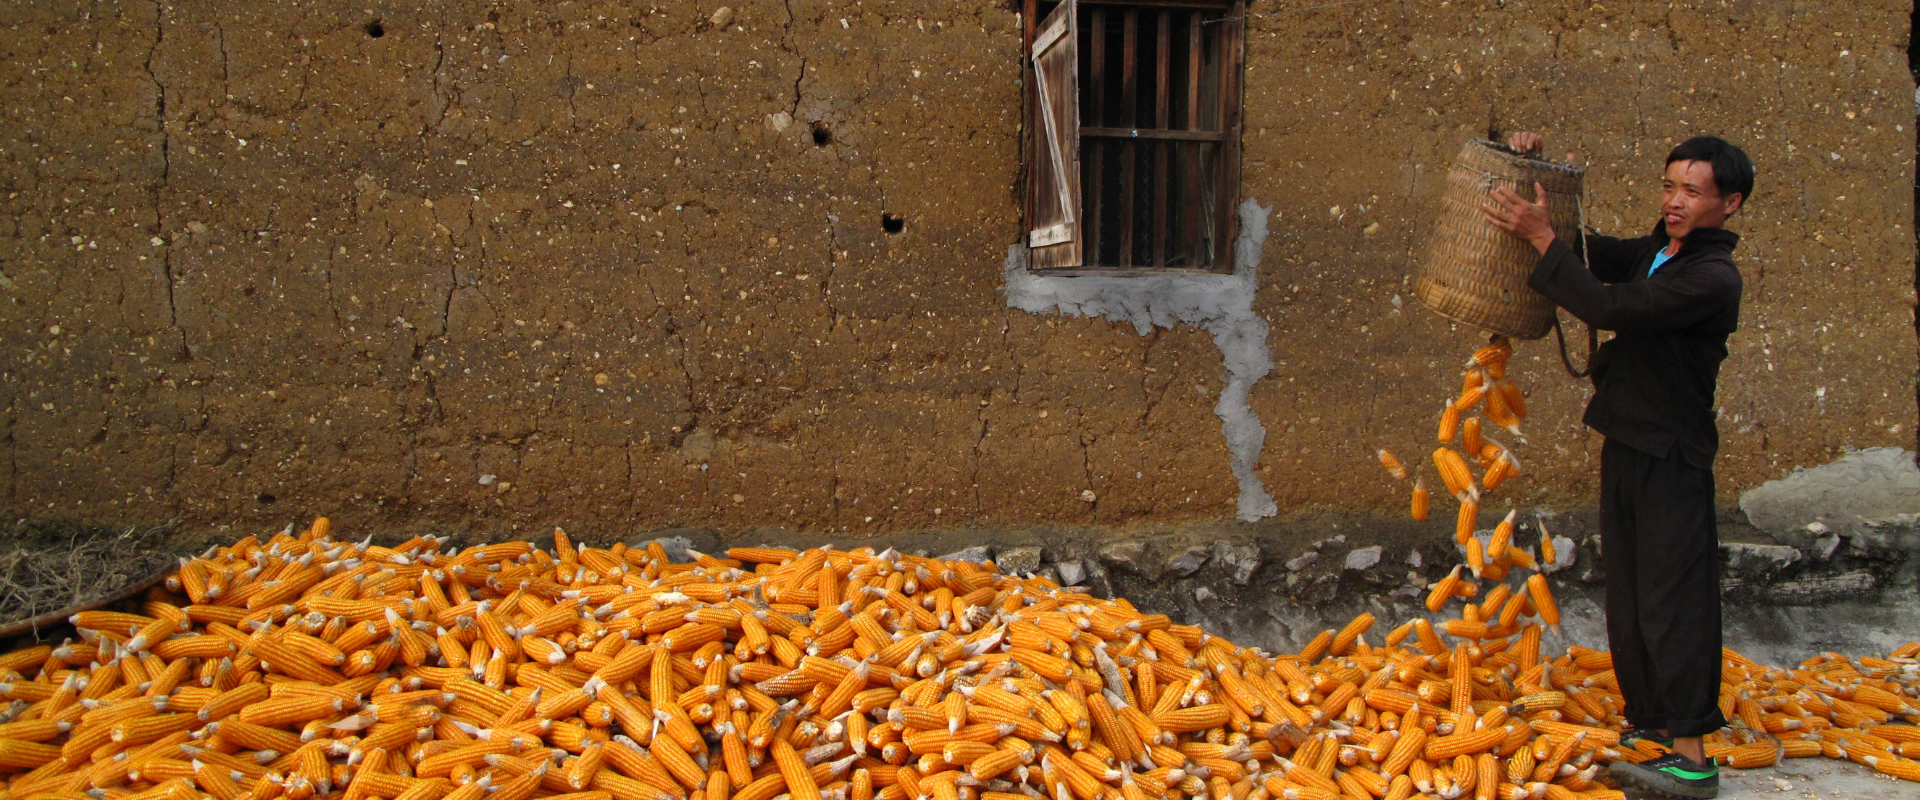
[1221, 304]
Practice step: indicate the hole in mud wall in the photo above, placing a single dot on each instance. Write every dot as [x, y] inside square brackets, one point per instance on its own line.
[892, 223]
[375, 29]
[266, 499]
[822, 135]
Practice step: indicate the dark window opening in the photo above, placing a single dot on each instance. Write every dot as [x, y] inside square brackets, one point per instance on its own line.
[1134, 128]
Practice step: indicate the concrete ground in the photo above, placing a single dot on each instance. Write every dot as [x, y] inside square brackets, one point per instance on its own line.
[1812, 779]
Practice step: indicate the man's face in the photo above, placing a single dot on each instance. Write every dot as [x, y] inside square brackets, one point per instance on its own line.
[1689, 199]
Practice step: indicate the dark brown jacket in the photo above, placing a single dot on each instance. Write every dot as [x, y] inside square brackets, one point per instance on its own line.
[1654, 381]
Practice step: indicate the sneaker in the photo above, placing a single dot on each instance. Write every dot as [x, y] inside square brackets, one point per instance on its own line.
[1673, 775]
[1637, 735]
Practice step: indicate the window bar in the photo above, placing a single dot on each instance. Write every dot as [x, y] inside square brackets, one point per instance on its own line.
[1031, 144]
[1229, 155]
[1161, 119]
[1190, 211]
[1094, 165]
[1129, 105]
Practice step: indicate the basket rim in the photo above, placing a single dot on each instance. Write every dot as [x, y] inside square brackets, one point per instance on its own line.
[1534, 158]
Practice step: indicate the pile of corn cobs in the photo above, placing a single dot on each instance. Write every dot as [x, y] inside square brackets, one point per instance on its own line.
[304, 667]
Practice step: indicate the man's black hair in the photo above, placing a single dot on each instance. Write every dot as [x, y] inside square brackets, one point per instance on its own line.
[1732, 170]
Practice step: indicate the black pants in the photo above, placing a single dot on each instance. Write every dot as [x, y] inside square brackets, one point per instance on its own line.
[1661, 550]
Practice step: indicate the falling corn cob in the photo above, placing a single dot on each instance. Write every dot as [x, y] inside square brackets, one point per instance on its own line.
[1543, 600]
[1393, 465]
[1502, 536]
[1465, 522]
[1449, 424]
[1453, 472]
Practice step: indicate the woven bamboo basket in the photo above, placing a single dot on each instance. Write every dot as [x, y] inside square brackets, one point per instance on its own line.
[1476, 274]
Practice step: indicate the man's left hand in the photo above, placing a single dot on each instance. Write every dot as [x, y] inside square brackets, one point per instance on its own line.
[1514, 214]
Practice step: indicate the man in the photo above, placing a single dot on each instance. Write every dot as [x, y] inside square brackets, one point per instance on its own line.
[1671, 298]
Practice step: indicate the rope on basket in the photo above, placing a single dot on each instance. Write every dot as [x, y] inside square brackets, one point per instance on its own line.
[1593, 338]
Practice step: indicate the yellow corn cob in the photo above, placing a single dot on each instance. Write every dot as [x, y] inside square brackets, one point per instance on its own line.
[1187, 720]
[1543, 600]
[1470, 435]
[1472, 742]
[1502, 536]
[1470, 398]
[1489, 452]
[1466, 521]
[1120, 737]
[1494, 354]
[1499, 414]
[1747, 756]
[763, 555]
[1466, 629]
[1441, 592]
[1453, 471]
[1516, 401]
[1337, 700]
[1392, 464]
[291, 711]
[995, 764]
[440, 764]
[1344, 640]
[1904, 769]
[1461, 677]
[1412, 745]
[800, 782]
[1476, 559]
[1520, 558]
[1520, 766]
[1420, 498]
[1497, 473]
[1316, 647]
[1487, 782]
[1449, 424]
[1398, 635]
[1883, 700]
[1471, 379]
[1241, 693]
[1351, 784]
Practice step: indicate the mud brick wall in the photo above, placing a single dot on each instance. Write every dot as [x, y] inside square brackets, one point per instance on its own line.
[618, 266]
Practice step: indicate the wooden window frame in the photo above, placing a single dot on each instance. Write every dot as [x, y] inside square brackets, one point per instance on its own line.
[1067, 230]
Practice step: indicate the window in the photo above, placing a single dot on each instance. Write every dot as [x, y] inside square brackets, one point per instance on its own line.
[1133, 156]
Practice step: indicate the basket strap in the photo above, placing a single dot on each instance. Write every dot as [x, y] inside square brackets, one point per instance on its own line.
[1593, 343]
[1593, 338]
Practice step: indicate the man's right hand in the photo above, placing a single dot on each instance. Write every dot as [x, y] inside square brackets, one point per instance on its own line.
[1524, 142]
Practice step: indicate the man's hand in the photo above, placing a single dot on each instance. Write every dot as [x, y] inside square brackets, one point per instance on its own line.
[1524, 142]
[1512, 213]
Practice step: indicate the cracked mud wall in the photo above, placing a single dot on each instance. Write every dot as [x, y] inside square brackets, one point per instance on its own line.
[620, 266]
[1221, 304]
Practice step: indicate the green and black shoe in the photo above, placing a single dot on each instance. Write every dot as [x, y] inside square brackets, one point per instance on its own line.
[1645, 735]
[1673, 775]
